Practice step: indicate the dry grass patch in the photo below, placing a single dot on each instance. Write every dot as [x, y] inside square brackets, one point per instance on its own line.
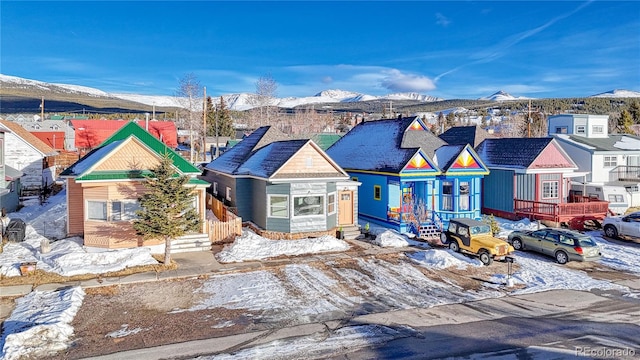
[39, 277]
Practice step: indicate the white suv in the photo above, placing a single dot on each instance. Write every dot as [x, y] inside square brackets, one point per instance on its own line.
[626, 225]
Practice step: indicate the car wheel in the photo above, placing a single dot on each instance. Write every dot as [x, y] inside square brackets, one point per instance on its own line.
[611, 231]
[443, 238]
[562, 257]
[453, 245]
[485, 257]
[517, 244]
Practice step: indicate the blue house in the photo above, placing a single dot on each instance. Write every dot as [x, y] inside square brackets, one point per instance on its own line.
[410, 178]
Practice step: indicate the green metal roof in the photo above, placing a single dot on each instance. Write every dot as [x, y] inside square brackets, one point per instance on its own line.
[232, 142]
[325, 140]
[131, 175]
[81, 168]
[133, 129]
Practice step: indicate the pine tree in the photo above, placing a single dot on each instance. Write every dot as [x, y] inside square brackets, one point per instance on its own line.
[624, 122]
[166, 207]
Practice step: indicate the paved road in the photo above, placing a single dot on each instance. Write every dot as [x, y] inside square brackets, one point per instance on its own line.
[557, 324]
[543, 325]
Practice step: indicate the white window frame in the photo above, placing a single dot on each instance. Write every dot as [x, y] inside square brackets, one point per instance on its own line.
[228, 195]
[124, 215]
[270, 206]
[610, 161]
[581, 129]
[321, 206]
[597, 129]
[548, 193]
[104, 203]
[215, 188]
[331, 205]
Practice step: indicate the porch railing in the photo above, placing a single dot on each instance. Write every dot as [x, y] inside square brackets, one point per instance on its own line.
[562, 211]
[625, 173]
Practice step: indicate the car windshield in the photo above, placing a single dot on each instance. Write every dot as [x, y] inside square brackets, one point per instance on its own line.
[586, 241]
[483, 229]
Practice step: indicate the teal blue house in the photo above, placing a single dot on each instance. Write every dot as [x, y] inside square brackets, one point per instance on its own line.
[410, 178]
[283, 186]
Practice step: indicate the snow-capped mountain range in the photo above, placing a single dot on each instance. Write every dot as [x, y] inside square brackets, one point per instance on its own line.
[243, 101]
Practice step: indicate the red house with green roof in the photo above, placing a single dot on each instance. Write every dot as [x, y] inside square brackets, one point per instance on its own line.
[103, 189]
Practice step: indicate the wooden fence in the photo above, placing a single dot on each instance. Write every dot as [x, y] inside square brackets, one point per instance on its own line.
[225, 225]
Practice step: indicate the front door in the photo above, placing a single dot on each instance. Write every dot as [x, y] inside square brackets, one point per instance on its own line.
[345, 208]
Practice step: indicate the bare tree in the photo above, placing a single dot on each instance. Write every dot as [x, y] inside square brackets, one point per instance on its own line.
[189, 93]
[266, 88]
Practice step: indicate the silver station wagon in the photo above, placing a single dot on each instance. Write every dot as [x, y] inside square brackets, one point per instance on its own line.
[564, 245]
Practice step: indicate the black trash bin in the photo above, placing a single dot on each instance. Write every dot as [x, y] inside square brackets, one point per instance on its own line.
[15, 230]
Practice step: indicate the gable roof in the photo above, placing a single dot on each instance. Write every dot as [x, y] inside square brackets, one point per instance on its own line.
[517, 153]
[460, 159]
[269, 159]
[233, 158]
[130, 130]
[29, 138]
[462, 135]
[383, 145]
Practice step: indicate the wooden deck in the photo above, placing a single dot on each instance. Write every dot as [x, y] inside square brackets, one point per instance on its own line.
[583, 208]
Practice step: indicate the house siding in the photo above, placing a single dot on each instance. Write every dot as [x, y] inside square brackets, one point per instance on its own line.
[551, 177]
[277, 224]
[308, 223]
[498, 190]
[241, 196]
[9, 202]
[75, 208]
[332, 220]
[367, 205]
[308, 161]
[131, 156]
[23, 157]
[525, 187]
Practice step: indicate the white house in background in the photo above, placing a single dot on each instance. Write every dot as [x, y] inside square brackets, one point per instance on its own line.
[29, 155]
[610, 162]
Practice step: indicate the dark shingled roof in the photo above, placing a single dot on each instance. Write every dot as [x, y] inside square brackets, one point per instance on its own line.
[511, 152]
[382, 145]
[232, 159]
[265, 161]
[463, 135]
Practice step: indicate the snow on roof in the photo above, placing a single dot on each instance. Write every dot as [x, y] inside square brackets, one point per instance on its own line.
[84, 164]
[627, 143]
[374, 145]
[230, 161]
[267, 160]
[447, 154]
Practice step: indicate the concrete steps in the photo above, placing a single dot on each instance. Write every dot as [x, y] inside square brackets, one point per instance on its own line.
[191, 242]
[351, 232]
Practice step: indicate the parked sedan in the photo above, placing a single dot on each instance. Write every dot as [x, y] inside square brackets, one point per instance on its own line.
[564, 245]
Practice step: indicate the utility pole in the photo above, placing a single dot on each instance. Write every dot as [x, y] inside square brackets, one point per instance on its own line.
[204, 124]
[529, 121]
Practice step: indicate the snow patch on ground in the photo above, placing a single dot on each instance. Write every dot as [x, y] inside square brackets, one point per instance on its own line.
[251, 246]
[390, 238]
[540, 274]
[442, 259]
[40, 324]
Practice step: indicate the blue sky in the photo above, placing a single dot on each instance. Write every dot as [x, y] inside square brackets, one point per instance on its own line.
[452, 49]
